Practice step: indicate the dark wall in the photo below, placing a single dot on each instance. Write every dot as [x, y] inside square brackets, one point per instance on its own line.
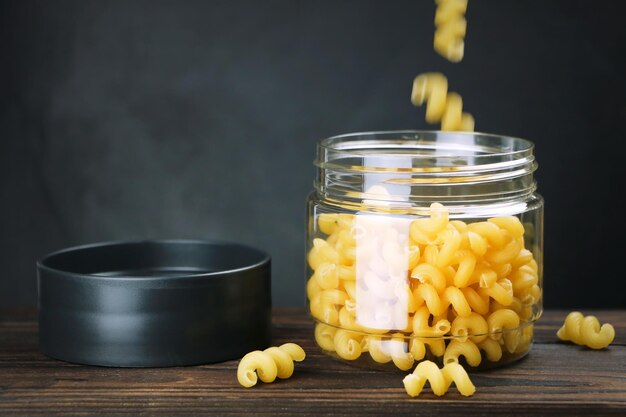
[136, 119]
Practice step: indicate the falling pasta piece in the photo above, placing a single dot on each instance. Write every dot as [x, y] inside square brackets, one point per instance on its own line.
[441, 106]
[451, 27]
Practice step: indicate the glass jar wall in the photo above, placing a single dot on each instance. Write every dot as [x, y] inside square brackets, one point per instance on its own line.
[425, 245]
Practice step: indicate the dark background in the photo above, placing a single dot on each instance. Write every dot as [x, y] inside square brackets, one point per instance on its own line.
[198, 119]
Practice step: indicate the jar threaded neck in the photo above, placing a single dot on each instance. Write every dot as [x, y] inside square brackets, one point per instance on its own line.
[418, 167]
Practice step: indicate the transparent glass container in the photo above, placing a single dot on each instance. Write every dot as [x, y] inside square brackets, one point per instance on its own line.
[425, 245]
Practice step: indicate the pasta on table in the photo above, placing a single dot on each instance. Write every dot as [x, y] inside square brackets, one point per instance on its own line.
[269, 364]
[439, 379]
[586, 331]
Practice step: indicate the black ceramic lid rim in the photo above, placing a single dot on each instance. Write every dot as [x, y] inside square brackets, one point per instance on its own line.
[182, 278]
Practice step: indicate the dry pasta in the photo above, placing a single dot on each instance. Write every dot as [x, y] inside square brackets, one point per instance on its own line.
[440, 379]
[467, 349]
[421, 327]
[378, 350]
[400, 356]
[474, 325]
[325, 336]
[269, 364]
[450, 30]
[492, 349]
[504, 324]
[586, 331]
[452, 289]
[347, 344]
[438, 303]
[441, 106]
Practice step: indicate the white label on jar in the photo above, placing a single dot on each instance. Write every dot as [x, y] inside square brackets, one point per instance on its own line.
[382, 259]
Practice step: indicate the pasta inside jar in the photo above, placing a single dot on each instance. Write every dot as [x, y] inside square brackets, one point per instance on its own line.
[425, 246]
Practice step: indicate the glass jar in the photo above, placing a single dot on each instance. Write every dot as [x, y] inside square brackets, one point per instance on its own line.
[425, 245]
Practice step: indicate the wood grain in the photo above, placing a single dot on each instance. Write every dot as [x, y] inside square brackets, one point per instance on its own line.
[554, 379]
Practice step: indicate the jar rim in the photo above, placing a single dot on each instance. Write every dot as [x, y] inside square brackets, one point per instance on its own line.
[420, 164]
[342, 142]
[457, 153]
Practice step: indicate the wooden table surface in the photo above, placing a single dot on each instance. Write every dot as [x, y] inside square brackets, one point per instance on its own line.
[554, 379]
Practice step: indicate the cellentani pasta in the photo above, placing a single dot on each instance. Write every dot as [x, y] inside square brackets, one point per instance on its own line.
[441, 106]
[440, 379]
[586, 331]
[451, 27]
[269, 364]
[426, 287]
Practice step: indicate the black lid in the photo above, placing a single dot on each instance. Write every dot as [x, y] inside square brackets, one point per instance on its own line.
[154, 303]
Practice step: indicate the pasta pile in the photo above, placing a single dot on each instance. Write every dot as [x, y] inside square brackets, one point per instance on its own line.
[454, 289]
[450, 30]
[586, 331]
[432, 88]
[440, 379]
[268, 364]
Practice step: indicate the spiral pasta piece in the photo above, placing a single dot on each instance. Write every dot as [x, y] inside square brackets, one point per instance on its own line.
[327, 276]
[523, 258]
[473, 325]
[426, 293]
[325, 336]
[489, 231]
[492, 349]
[485, 275]
[504, 324]
[427, 335]
[466, 349]
[451, 239]
[586, 331]
[524, 278]
[506, 253]
[269, 364]
[347, 344]
[417, 347]
[441, 106]
[424, 230]
[312, 288]
[421, 328]
[429, 274]
[400, 355]
[477, 243]
[451, 27]
[324, 312]
[378, 350]
[511, 224]
[327, 223]
[467, 262]
[322, 252]
[348, 321]
[500, 320]
[440, 379]
[478, 303]
[501, 291]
